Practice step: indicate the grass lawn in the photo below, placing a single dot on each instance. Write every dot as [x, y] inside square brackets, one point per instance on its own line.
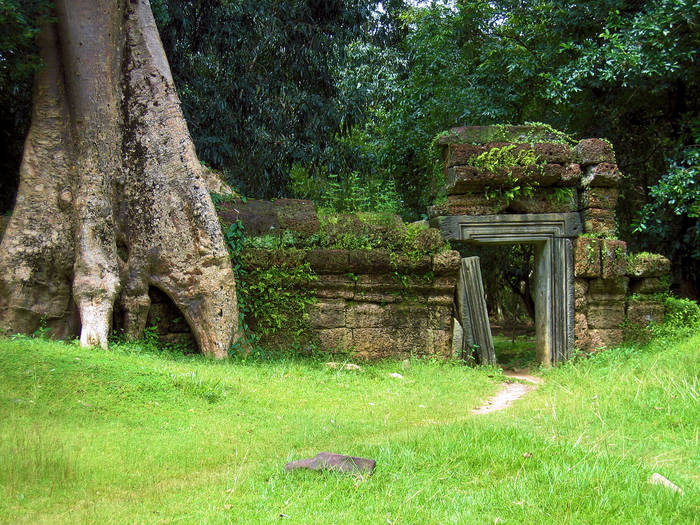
[133, 436]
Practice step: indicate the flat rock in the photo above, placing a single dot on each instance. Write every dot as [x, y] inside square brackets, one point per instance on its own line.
[334, 462]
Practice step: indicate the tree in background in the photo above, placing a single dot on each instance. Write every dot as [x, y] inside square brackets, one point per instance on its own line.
[257, 82]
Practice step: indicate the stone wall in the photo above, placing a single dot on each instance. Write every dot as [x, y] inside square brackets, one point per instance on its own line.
[370, 307]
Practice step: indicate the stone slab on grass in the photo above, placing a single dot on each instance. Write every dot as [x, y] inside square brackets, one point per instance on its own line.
[334, 462]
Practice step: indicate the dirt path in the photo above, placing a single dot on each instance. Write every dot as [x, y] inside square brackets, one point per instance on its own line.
[510, 392]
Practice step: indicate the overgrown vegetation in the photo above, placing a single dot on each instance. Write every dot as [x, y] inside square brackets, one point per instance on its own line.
[144, 436]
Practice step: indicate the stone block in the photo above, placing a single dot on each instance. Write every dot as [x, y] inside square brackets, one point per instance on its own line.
[605, 175]
[297, 215]
[255, 258]
[553, 153]
[286, 257]
[601, 198]
[327, 314]
[428, 240]
[582, 339]
[440, 300]
[439, 210]
[329, 286]
[598, 221]
[648, 265]
[397, 315]
[605, 338]
[328, 261]
[613, 258]
[465, 179]
[649, 285]
[606, 314]
[262, 217]
[644, 312]
[413, 265]
[607, 289]
[547, 200]
[587, 261]
[473, 204]
[527, 133]
[447, 263]
[593, 151]
[380, 342]
[439, 317]
[339, 339]
[580, 294]
[369, 261]
[439, 343]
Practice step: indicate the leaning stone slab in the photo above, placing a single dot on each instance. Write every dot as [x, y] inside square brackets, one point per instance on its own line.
[593, 151]
[334, 462]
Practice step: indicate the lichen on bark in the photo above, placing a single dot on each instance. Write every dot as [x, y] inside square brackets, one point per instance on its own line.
[112, 197]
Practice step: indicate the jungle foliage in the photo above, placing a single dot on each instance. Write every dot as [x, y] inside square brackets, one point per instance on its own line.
[323, 99]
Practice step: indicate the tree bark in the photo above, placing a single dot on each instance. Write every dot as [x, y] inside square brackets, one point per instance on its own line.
[112, 197]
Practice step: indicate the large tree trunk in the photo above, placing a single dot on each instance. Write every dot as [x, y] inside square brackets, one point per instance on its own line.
[112, 197]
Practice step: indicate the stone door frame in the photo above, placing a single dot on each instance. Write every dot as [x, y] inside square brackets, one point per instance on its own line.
[552, 235]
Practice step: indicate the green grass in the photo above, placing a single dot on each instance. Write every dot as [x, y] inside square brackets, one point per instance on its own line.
[131, 436]
[515, 353]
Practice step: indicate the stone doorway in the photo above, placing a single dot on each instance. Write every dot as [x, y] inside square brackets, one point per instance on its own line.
[551, 234]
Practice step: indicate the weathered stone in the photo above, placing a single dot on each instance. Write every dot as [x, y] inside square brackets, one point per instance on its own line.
[260, 217]
[297, 215]
[546, 200]
[613, 258]
[286, 257]
[605, 175]
[645, 312]
[648, 265]
[485, 134]
[580, 294]
[428, 240]
[605, 338]
[447, 263]
[327, 314]
[439, 343]
[333, 286]
[599, 222]
[335, 339]
[602, 198]
[593, 151]
[411, 264]
[371, 315]
[334, 462]
[607, 289]
[464, 179]
[379, 342]
[474, 204]
[439, 210]
[439, 317]
[328, 261]
[255, 258]
[439, 300]
[606, 315]
[462, 154]
[369, 261]
[587, 257]
[582, 339]
[649, 285]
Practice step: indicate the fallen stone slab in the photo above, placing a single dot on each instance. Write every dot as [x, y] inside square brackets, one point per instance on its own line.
[334, 462]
